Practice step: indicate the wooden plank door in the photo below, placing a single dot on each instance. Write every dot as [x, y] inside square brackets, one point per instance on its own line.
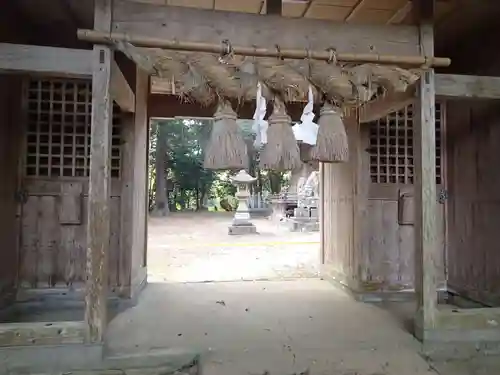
[54, 184]
[388, 235]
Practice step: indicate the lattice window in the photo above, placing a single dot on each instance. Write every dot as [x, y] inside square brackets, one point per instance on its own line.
[391, 147]
[58, 129]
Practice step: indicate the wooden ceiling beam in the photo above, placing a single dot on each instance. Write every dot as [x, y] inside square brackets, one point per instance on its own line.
[307, 7]
[401, 13]
[457, 86]
[45, 60]
[355, 9]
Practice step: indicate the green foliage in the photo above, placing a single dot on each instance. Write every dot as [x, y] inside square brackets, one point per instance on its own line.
[189, 184]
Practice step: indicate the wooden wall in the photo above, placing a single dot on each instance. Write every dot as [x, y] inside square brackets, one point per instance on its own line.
[9, 152]
[338, 215]
[474, 201]
[368, 237]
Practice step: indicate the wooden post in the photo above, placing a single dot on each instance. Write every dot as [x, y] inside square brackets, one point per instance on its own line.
[140, 165]
[322, 212]
[426, 205]
[98, 229]
[127, 202]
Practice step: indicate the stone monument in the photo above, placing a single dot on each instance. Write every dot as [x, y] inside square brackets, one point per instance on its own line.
[305, 217]
[241, 222]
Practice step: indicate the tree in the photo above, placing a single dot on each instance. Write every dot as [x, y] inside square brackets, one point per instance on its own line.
[161, 172]
[177, 154]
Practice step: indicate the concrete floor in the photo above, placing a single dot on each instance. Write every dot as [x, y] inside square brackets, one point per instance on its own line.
[256, 326]
[279, 326]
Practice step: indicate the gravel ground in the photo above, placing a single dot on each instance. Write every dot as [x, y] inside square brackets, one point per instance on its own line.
[195, 247]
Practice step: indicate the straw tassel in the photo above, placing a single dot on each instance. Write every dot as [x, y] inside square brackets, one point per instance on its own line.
[226, 148]
[281, 152]
[332, 144]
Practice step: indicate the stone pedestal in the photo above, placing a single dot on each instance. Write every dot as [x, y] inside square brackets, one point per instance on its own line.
[234, 230]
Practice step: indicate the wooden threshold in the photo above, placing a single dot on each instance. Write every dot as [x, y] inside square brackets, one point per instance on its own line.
[41, 333]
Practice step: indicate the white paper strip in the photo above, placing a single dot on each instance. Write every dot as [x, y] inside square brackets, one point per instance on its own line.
[307, 130]
[259, 125]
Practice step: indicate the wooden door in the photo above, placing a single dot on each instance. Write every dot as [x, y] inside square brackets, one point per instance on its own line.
[388, 235]
[55, 184]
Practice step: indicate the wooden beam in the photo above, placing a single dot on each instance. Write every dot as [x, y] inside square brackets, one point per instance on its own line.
[355, 9]
[121, 92]
[45, 60]
[401, 13]
[390, 103]
[274, 7]
[307, 7]
[465, 86]
[98, 222]
[196, 25]
[426, 209]
[41, 333]
[447, 86]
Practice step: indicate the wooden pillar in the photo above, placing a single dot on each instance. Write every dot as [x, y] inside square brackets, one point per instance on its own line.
[322, 212]
[140, 173]
[127, 202]
[98, 229]
[426, 205]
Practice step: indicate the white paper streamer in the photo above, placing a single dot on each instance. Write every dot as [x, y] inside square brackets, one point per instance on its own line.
[306, 130]
[259, 125]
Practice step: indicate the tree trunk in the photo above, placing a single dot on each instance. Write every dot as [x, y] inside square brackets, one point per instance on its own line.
[161, 198]
[197, 197]
[259, 181]
[275, 181]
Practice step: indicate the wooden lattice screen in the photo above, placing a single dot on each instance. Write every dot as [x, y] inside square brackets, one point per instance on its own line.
[58, 129]
[391, 147]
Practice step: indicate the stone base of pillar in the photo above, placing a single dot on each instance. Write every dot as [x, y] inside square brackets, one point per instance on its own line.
[241, 229]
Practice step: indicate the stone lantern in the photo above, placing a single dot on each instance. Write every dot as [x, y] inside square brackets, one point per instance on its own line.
[241, 222]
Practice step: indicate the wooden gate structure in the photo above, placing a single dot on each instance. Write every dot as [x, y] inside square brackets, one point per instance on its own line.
[414, 211]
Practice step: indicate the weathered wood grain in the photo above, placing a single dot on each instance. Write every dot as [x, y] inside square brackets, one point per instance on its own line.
[70, 203]
[46, 60]
[98, 223]
[467, 86]
[426, 227]
[41, 333]
[264, 31]
[474, 204]
[120, 90]
[140, 192]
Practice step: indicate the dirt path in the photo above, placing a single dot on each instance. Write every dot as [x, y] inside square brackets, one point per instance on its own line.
[195, 247]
